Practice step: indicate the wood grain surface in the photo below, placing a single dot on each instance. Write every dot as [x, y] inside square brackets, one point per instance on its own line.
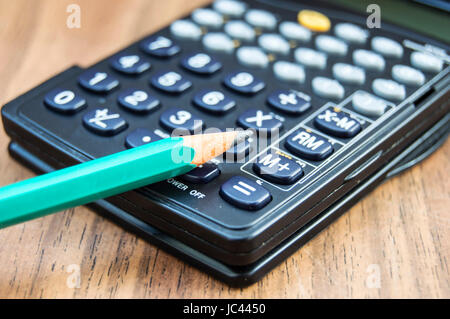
[393, 243]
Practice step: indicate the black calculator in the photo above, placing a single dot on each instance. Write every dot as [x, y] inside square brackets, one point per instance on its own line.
[335, 107]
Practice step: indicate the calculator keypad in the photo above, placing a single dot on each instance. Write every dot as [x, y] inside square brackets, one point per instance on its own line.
[310, 87]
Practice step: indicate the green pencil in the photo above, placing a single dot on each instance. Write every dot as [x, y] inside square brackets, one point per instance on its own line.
[110, 175]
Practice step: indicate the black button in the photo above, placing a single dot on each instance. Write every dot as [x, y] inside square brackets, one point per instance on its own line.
[64, 101]
[244, 193]
[141, 136]
[289, 101]
[260, 121]
[137, 100]
[201, 63]
[130, 63]
[170, 82]
[103, 122]
[159, 46]
[244, 82]
[278, 167]
[202, 174]
[338, 123]
[176, 118]
[308, 145]
[213, 101]
[98, 81]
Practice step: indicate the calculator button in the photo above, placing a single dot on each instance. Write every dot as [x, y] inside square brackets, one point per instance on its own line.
[338, 123]
[218, 41]
[244, 82]
[308, 145]
[261, 19]
[260, 121]
[244, 193]
[351, 33]
[327, 88]
[426, 62]
[252, 57]
[201, 63]
[104, 122]
[387, 47]
[130, 63]
[368, 104]
[176, 118]
[288, 71]
[388, 89]
[170, 82]
[231, 8]
[64, 101]
[331, 45]
[314, 20]
[239, 151]
[289, 101]
[202, 174]
[311, 58]
[98, 81]
[274, 43]
[213, 101]
[278, 168]
[349, 74]
[368, 60]
[137, 100]
[159, 46]
[407, 75]
[239, 30]
[207, 17]
[139, 137]
[186, 29]
[294, 31]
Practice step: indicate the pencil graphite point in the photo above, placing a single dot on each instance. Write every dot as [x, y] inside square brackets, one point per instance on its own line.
[209, 146]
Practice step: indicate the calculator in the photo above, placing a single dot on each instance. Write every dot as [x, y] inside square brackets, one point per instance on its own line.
[335, 108]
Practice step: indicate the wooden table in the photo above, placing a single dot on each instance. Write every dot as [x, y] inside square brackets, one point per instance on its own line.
[394, 243]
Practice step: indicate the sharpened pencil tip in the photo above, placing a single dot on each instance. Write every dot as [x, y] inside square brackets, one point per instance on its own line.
[209, 146]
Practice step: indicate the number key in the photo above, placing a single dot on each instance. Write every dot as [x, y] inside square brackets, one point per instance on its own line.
[178, 119]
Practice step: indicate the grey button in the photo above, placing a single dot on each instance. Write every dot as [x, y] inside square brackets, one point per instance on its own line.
[311, 58]
[218, 41]
[331, 45]
[239, 30]
[368, 104]
[261, 18]
[289, 71]
[387, 47]
[274, 43]
[388, 89]
[230, 8]
[348, 73]
[351, 33]
[327, 88]
[294, 31]
[426, 62]
[186, 29]
[407, 75]
[252, 56]
[368, 60]
[207, 17]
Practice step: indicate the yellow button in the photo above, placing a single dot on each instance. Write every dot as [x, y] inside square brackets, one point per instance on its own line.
[314, 20]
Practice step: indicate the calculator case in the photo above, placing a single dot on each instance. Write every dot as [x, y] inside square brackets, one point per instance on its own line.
[235, 245]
